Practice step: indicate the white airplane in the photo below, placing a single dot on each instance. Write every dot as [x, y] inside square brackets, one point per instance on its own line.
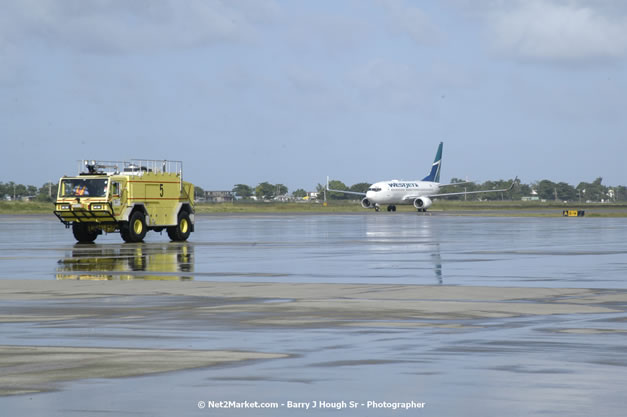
[418, 193]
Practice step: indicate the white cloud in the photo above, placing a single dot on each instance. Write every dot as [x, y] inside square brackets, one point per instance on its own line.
[326, 33]
[562, 31]
[119, 26]
[389, 85]
[412, 21]
[379, 74]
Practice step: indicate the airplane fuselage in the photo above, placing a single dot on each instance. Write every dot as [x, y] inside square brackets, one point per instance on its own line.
[400, 192]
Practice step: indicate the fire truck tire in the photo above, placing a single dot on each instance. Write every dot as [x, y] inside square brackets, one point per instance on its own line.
[136, 229]
[183, 228]
[82, 233]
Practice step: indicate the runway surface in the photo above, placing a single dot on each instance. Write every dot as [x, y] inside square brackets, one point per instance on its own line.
[466, 316]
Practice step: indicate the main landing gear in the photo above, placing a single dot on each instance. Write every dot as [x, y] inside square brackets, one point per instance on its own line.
[390, 207]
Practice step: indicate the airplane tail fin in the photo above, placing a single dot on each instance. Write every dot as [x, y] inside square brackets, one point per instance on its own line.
[434, 175]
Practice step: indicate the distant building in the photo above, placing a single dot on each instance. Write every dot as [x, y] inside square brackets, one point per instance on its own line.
[311, 196]
[533, 197]
[219, 196]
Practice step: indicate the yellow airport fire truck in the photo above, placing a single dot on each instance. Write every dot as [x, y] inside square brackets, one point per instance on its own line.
[131, 196]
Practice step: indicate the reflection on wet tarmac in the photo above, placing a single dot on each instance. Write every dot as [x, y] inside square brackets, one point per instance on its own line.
[413, 249]
[153, 261]
[385, 249]
[437, 265]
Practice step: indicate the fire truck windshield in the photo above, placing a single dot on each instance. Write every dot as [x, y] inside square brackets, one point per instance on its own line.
[84, 187]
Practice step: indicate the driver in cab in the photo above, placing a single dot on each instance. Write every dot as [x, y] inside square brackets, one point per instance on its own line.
[81, 190]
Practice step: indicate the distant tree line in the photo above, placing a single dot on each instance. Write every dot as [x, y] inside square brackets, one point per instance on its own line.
[12, 191]
[264, 191]
[48, 191]
[544, 190]
[360, 187]
[548, 190]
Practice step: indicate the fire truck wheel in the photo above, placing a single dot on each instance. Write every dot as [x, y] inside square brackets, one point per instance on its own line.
[183, 228]
[136, 229]
[82, 233]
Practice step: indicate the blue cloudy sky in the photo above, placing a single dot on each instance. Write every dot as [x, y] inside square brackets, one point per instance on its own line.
[245, 91]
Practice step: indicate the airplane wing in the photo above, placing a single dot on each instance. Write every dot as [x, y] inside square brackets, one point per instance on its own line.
[413, 197]
[347, 192]
[475, 192]
[456, 183]
[344, 191]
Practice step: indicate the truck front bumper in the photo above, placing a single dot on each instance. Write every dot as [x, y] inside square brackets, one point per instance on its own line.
[85, 215]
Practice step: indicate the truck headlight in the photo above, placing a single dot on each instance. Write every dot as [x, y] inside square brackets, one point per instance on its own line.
[96, 206]
[64, 207]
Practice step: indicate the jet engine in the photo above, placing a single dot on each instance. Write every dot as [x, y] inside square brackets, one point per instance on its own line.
[365, 203]
[422, 203]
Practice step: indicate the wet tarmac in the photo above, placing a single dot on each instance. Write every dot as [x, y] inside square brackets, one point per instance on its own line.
[368, 249]
[469, 315]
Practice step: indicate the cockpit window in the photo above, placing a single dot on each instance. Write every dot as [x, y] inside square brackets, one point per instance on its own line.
[375, 189]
